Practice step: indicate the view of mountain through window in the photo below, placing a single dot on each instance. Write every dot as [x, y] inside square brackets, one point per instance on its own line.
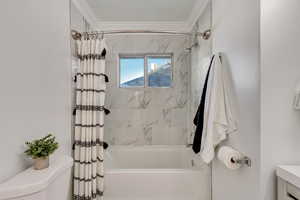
[159, 72]
[146, 71]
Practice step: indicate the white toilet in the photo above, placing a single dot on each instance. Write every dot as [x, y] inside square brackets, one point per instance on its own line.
[47, 184]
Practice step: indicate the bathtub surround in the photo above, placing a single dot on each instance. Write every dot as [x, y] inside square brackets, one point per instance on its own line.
[89, 119]
[147, 116]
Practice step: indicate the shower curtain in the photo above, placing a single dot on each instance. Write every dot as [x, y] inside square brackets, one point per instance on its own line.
[89, 120]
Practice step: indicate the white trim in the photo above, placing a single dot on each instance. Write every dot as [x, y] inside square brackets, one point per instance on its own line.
[138, 25]
[187, 25]
[87, 12]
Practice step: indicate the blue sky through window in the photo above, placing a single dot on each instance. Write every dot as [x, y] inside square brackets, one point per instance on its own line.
[131, 68]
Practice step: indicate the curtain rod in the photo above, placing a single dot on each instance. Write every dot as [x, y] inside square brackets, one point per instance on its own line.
[76, 35]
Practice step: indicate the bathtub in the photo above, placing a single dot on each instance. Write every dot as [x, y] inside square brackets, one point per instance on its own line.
[155, 173]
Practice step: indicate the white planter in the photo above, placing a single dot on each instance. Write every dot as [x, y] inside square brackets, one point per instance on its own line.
[41, 163]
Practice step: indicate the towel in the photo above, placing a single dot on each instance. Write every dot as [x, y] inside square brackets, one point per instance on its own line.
[219, 118]
[199, 117]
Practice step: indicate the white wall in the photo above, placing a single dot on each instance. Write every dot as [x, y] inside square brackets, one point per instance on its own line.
[77, 19]
[236, 34]
[34, 77]
[280, 48]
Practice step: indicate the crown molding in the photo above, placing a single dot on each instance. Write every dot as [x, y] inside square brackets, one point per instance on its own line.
[187, 25]
[138, 25]
[86, 12]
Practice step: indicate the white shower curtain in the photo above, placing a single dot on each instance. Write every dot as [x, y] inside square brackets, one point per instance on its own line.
[89, 120]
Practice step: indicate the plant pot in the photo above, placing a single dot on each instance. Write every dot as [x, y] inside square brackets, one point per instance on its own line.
[41, 163]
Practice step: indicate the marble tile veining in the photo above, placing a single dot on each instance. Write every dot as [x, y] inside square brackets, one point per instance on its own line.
[145, 116]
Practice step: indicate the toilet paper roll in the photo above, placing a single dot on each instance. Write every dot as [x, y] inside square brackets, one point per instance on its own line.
[226, 154]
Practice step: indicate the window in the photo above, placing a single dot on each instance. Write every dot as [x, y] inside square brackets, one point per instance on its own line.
[132, 72]
[145, 71]
[159, 71]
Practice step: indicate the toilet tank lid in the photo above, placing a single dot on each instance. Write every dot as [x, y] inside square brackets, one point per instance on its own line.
[31, 181]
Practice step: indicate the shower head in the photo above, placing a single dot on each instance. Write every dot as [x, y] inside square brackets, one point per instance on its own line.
[204, 35]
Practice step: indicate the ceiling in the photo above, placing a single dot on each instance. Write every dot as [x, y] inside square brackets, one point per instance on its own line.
[141, 14]
[141, 10]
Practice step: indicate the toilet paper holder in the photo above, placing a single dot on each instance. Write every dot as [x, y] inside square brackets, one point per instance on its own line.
[244, 161]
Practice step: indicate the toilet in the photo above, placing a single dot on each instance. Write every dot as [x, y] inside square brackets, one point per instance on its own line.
[47, 184]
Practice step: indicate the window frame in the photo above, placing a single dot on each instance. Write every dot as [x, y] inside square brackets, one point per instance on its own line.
[145, 56]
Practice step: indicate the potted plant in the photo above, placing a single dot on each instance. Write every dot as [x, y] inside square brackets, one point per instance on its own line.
[40, 150]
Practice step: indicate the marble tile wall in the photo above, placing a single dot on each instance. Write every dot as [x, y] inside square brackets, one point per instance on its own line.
[148, 116]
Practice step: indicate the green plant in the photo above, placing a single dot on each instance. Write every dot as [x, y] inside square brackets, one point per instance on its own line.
[41, 148]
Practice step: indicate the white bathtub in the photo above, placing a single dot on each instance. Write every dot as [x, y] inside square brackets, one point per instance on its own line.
[155, 173]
